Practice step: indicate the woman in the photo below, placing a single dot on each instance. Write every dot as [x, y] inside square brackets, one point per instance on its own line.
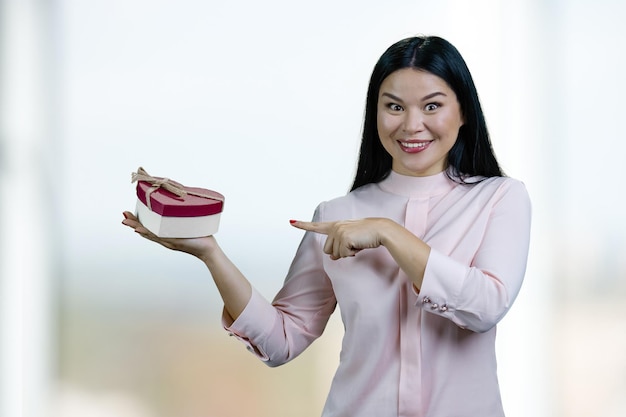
[424, 256]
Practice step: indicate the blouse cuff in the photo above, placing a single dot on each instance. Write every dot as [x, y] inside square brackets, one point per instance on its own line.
[254, 323]
[443, 280]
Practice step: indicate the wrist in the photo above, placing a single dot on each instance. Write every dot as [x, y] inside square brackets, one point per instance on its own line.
[386, 231]
[209, 250]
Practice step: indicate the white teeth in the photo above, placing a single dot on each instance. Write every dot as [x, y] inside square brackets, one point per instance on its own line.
[414, 144]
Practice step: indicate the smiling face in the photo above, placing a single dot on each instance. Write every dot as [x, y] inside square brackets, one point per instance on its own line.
[418, 121]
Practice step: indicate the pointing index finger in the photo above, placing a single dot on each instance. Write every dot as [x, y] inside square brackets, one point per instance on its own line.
[317, 227]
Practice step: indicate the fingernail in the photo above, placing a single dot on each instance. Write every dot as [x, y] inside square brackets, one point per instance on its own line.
[292, 221]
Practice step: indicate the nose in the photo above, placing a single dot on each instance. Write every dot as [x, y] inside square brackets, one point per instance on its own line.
[413, 121]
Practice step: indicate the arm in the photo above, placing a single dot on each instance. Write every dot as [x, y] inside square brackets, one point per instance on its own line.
[280, 331]
[233, 287]
[276, 332]
[479, 287]
[348, 237]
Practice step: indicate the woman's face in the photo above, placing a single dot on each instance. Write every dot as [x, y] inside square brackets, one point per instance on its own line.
[418, 121]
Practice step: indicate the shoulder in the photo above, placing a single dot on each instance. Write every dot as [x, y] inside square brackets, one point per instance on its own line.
[503, 193]
[492, 193]
[496, 186]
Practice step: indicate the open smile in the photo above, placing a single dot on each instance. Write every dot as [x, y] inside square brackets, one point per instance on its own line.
[414, 146]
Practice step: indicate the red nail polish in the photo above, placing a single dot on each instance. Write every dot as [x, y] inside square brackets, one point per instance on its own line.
[292, 221]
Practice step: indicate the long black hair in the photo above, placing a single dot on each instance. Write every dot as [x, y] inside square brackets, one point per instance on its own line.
[472, 154]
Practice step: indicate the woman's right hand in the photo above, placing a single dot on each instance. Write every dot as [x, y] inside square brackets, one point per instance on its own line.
[200, 247]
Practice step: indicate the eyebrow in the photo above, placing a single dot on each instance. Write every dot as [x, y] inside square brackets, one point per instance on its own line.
[427, 97]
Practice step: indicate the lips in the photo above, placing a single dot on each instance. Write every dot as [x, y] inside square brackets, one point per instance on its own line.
[414, 146]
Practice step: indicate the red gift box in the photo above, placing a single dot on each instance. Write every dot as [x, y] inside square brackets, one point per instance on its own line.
[170, 209]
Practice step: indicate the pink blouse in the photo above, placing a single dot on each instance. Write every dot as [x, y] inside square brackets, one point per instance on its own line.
[430, 354]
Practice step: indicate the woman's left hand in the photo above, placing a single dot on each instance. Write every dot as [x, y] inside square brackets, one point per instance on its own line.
[347, 237]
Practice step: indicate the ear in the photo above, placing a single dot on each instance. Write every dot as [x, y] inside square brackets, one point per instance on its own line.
[461, 121]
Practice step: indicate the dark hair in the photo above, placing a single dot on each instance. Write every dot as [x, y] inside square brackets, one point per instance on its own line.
[472, 154]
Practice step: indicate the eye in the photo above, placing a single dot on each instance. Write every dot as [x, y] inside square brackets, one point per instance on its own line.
[394, 107]
[430, 107]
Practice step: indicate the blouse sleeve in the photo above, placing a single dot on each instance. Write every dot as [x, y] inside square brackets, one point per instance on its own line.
[476, 297]
[280, 331]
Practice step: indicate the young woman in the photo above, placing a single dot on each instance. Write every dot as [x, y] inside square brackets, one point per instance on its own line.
[424, 256]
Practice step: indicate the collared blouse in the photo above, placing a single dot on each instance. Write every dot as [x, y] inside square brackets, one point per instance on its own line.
[405, 353]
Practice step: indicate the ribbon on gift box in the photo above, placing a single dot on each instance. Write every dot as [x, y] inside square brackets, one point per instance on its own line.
[167, 184]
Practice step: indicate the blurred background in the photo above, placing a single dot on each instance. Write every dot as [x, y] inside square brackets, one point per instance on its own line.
[263, 102]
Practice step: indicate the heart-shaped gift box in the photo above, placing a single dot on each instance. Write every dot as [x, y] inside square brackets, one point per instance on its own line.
[170, 209]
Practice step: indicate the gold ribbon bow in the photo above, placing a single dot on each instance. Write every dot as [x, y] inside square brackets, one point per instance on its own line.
[167, 184]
